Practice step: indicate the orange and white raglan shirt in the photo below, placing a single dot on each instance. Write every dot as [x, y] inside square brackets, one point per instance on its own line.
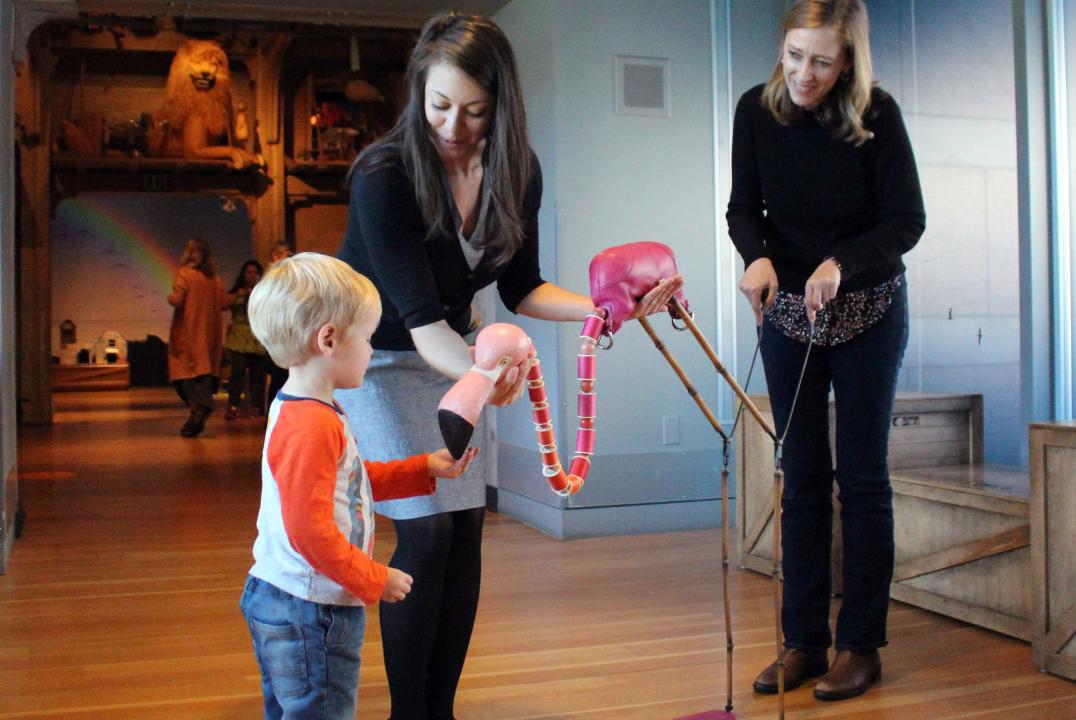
[316, 521]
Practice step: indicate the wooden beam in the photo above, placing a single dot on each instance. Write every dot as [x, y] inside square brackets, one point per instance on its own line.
[1002, 542]
[1061, 631]
[755, 531]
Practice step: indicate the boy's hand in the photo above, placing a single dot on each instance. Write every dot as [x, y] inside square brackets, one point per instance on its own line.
[440, 463]
[397, 587]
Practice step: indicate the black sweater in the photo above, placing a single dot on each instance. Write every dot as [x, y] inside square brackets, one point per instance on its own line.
[423, 281]
[800, 195]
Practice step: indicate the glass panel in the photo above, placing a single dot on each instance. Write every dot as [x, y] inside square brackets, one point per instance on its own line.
[1064, 295]
[949, 63]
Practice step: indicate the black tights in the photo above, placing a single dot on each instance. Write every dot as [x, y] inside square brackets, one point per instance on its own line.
[426, 636]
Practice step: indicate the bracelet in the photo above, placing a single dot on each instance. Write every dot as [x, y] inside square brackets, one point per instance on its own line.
[836, 262]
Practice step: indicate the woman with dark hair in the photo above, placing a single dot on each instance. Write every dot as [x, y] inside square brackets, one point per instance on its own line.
[443, 205]
[246, 356]
[194, 340]
[825, 200]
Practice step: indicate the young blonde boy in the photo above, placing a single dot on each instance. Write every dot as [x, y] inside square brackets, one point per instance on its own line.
[313, 570]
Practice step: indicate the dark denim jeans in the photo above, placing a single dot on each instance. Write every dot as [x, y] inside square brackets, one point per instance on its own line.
[308, 653]
[863, 375]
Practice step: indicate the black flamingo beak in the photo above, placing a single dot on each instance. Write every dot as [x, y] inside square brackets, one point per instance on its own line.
[456, 432]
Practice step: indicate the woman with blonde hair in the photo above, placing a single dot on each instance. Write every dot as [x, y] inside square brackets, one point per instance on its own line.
[825, 200]
[196, 336]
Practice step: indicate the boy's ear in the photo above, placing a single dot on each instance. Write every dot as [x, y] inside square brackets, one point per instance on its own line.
[325, 339]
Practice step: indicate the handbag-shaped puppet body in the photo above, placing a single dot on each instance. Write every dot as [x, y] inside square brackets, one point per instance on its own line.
[619, 277]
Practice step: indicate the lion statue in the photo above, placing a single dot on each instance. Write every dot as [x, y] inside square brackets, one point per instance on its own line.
[196, 118]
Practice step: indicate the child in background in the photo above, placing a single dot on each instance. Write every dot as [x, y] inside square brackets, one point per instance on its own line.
[246, 356]
[313, 571]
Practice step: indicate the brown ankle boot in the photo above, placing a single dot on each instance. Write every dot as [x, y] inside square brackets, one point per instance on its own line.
[800, 666]
[852, 673]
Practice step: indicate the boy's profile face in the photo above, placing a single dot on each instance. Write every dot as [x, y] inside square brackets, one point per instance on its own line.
[353, 350]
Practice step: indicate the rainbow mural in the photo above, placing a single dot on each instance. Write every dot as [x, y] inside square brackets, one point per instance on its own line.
[130, 235]
[114, 256]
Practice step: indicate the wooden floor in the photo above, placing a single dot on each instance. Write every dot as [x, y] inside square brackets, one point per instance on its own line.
[121, 602]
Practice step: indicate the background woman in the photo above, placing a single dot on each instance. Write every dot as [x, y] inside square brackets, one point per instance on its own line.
[277, 375]
[444, 205]
[825, 200]
[194, 340]
[246, 356]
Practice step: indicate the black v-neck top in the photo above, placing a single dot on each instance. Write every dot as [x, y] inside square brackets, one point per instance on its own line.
[423, 281]
[800, 195]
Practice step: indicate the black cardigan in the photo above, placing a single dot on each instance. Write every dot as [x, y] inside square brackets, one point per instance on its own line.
[423, 281]
[800, 195]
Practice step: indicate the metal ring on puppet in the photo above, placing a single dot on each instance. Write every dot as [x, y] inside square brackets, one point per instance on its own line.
[619, 276]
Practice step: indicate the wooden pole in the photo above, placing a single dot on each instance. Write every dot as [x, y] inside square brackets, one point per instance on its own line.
[725, 578]
[778, 481]
[683, 314]
[683, 377]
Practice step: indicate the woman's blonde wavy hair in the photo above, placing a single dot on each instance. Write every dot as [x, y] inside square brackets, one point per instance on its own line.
[852, 93]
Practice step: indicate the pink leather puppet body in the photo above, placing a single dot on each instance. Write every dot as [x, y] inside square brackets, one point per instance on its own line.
[621, 275]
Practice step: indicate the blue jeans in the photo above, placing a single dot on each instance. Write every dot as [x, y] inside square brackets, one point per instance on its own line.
[863, 374]
[308, 653]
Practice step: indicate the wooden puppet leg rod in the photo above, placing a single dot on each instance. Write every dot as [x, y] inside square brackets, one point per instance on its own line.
[778, 482]
[683, 377]
[727, 713]
[685, 316]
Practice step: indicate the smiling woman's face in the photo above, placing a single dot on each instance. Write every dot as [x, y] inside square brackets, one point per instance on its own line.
[812, 60]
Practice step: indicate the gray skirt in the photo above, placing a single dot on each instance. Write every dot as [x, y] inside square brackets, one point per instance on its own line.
[394, 415]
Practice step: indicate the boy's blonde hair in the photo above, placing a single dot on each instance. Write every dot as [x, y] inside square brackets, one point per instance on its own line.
[300, 294]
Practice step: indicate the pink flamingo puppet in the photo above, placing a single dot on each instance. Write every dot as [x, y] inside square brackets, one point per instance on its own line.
[619, 277]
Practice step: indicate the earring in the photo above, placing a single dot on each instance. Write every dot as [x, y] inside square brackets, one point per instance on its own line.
[846, 76]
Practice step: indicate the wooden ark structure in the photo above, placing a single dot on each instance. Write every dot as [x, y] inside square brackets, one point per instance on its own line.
[308, 90]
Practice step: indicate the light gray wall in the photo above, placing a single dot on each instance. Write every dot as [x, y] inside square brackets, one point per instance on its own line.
[612, 179]
[531, 27]
[949, 63]
[625, 178]
[749, 33]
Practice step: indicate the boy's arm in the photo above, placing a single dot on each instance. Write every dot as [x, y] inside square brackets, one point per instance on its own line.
[303, 456]
[397, 479]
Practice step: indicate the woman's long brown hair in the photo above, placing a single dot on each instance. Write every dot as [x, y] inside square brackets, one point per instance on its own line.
[479, 48]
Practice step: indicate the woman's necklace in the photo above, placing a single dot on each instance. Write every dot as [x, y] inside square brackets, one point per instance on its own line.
[820, 114]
